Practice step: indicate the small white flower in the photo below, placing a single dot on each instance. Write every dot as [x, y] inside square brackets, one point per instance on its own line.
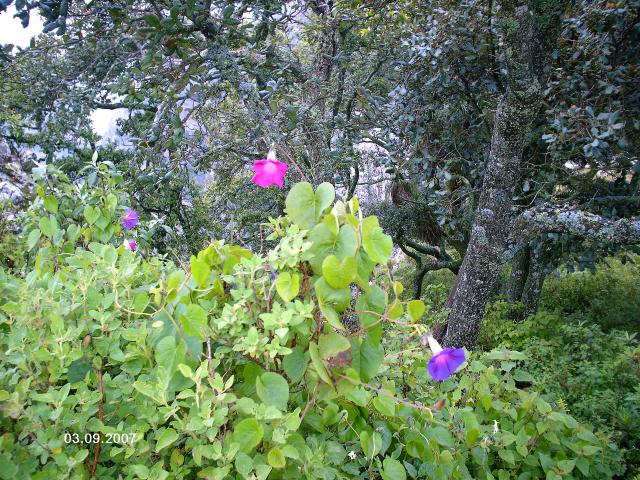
[495, 427]
[352, 455]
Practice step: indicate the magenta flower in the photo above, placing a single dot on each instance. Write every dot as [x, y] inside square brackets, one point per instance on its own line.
[130, 219]
[130, 245]
[269, 171]
[444, 362]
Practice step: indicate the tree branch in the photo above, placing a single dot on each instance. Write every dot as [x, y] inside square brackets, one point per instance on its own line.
[567, 219]
[115, 106]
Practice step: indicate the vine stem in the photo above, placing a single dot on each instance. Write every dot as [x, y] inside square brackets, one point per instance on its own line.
[310, 402]
[290, 158]
[387, 394]
[96, 453]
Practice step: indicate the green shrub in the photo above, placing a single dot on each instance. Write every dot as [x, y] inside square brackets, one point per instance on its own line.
[595, 374]
[610, 296]
[118, 365]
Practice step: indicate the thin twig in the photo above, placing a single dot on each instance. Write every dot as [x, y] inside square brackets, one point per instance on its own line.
[290, 158]
[96, 452]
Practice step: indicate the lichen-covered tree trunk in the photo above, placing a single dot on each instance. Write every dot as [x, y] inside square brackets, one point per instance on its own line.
[490, 231]
[519, 274]
[532, 288]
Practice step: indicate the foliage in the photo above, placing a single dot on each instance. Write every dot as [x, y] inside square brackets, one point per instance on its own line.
[238, 366]
[574, 363]
[609, 296]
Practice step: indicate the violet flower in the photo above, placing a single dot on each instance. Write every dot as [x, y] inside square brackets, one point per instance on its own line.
[130, 219]
[269, 171]
[444, 362]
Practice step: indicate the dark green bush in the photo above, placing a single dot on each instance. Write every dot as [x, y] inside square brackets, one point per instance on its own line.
[595, 374]
[610, 296]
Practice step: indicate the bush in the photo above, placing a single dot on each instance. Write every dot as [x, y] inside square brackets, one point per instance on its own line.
[238, 366]
[610, 296]
[595, 374]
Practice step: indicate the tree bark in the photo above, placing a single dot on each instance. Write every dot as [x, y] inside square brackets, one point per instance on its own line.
[530, 298]
[490, 235]
[568, 219]
[519, 274]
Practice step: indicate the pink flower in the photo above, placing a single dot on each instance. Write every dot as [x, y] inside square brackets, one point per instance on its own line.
[444, 362]
[130, 219]
[130, 245]
[269, 171]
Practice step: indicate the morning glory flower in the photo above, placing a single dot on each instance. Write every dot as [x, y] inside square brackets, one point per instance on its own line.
[269, 171]
[130, 245]
[444, 362]
[130, 219]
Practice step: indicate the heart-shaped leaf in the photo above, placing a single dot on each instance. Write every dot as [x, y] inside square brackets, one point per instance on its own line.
[332, 344]
[305, 207]
[377, 245]
[339, 274]
[288, 286]
[91, 214]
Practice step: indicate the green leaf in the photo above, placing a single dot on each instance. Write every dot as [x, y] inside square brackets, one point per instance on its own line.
[248, 434]
[48, 226]
[8, 470]
[91, 214]
[51, 203]
[276, 459]
[339, 274]
[522, 376]
[337, 298]
[78, 369]
[441, 435]
[385, 405]
[200, 271]
[371, 306]
[416, 309]
[305, 207]
[288, 286]
[194, 321]
[140, 470]
[393, 470]
[166, 438]
[325, 194]
[314, 353]
[371, 444]
[326, 242]
[332, 343]
[273, 390]
[295, 364]
[73, 232]
[34, 236]
[507, 455]
[504, 354]
[368, 360]
[244, 464]
[378, 245]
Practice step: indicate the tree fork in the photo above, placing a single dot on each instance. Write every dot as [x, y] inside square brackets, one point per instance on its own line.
[490, 233]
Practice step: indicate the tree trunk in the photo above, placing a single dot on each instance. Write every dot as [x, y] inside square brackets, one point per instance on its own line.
[490, 231]
[495, 237]
[530, 298]
[519, 274]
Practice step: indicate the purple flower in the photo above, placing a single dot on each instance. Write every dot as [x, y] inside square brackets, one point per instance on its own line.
[130, 245]
[130, 219]
[444, 362]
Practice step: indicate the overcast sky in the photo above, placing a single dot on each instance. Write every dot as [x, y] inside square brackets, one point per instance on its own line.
[11, 31]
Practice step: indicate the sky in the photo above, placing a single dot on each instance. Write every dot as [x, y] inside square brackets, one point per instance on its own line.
[11, 31]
